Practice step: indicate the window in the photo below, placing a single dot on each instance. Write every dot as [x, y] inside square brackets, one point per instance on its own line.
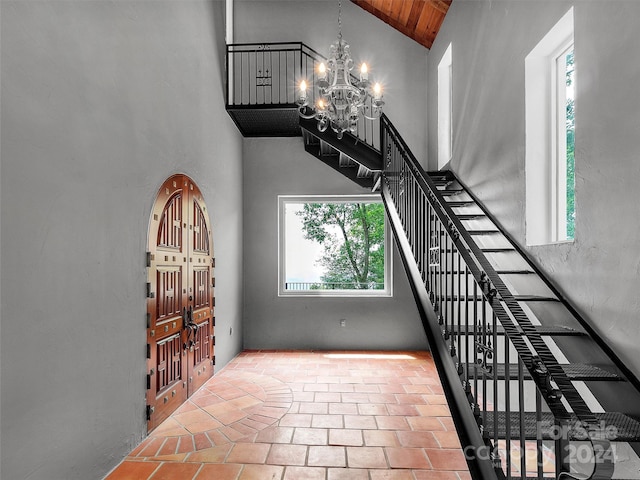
[445, 108]
[564, 161]
[333, 246]
[550, 132]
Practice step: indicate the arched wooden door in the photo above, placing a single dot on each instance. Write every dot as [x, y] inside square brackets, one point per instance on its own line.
[180, 301]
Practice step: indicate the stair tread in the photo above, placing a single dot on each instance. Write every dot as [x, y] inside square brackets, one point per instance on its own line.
[550, 330]
[460, 203]
[499, 272]
[518, 298]
[627, 429]
[574, 371]
[456, 191]
[483, 232]
[535, 298]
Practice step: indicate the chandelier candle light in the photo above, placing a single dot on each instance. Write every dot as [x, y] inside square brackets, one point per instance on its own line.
[340, 102]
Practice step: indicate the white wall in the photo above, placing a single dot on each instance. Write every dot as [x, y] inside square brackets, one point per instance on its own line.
[395, 60]
[100, 102]
[280, 166]
[600, 271]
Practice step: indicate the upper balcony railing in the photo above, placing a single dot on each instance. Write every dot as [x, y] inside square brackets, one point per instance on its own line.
[267, 75]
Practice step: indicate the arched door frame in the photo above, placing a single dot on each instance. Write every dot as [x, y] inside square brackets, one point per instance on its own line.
[180, 299]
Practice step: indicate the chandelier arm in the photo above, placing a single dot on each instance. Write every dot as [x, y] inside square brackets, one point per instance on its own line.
[307, 116]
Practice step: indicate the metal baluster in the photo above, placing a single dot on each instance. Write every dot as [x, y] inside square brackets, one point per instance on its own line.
[403, 192]
[413, 203]
[229, 75]
[272, 77]
[521, 409]
[539, 444]
[441, 258]
[496, 406]
[416, 222]
[454, 297]
[422, 220]
[253, 68]
[507, 397]
[242, 76]
[444, 268]
[473, 346]
[466, 299]
[429, 235]
[257, 71]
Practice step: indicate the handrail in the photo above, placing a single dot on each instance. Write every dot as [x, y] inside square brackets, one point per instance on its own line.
[428, 222]
[265, 75]
[479, 457]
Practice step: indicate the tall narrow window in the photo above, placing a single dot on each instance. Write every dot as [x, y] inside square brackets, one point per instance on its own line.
[565, 131]
[550, 78]
[445, 108]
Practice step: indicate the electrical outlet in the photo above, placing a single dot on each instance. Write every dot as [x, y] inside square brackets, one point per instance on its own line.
[343, 322]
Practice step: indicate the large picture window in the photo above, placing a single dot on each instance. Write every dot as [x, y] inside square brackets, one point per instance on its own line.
[333, 246]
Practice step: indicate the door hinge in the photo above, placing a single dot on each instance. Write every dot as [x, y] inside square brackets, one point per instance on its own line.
[149, 292]
[148, 260]
[150, 411]
[213, 321]
[213, 360]
[148, 351]
[149, 381]
[213, 262]
[148, 320]
[213, 340]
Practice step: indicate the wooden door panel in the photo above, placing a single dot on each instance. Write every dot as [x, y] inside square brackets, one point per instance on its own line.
[168, 292]
[200, 292]
[180, 304]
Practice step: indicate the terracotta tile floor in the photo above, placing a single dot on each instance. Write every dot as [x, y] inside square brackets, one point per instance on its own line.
[306, 415]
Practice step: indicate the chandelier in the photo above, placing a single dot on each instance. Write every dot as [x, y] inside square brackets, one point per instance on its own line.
[341, 99]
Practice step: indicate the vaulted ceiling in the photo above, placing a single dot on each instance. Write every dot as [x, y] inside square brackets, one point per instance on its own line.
[418, 19]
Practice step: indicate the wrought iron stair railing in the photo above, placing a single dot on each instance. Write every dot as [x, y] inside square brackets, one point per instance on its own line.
[523, 405]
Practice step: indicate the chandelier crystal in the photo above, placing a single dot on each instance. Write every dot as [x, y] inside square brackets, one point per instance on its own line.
[341, 99]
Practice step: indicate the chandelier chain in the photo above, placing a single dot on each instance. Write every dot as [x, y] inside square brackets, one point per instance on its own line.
[339, 18]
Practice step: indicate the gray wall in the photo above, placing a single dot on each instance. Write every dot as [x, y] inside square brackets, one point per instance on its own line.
[398, 62]
[100, 102]
[600, 271]
[280, 166]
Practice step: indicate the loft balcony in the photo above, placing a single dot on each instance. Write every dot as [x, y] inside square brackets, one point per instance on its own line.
[261, 100]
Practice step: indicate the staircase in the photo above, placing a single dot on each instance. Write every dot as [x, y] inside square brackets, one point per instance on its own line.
[534, 391]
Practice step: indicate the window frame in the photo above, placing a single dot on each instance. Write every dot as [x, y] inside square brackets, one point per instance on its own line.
[545, 144]
[559, 144]
[445, 107]
[284, 200]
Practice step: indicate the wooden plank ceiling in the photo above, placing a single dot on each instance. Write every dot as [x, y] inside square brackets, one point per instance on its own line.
[418, 19]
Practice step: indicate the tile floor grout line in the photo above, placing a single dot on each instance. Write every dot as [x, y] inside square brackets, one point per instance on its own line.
[351, 404]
